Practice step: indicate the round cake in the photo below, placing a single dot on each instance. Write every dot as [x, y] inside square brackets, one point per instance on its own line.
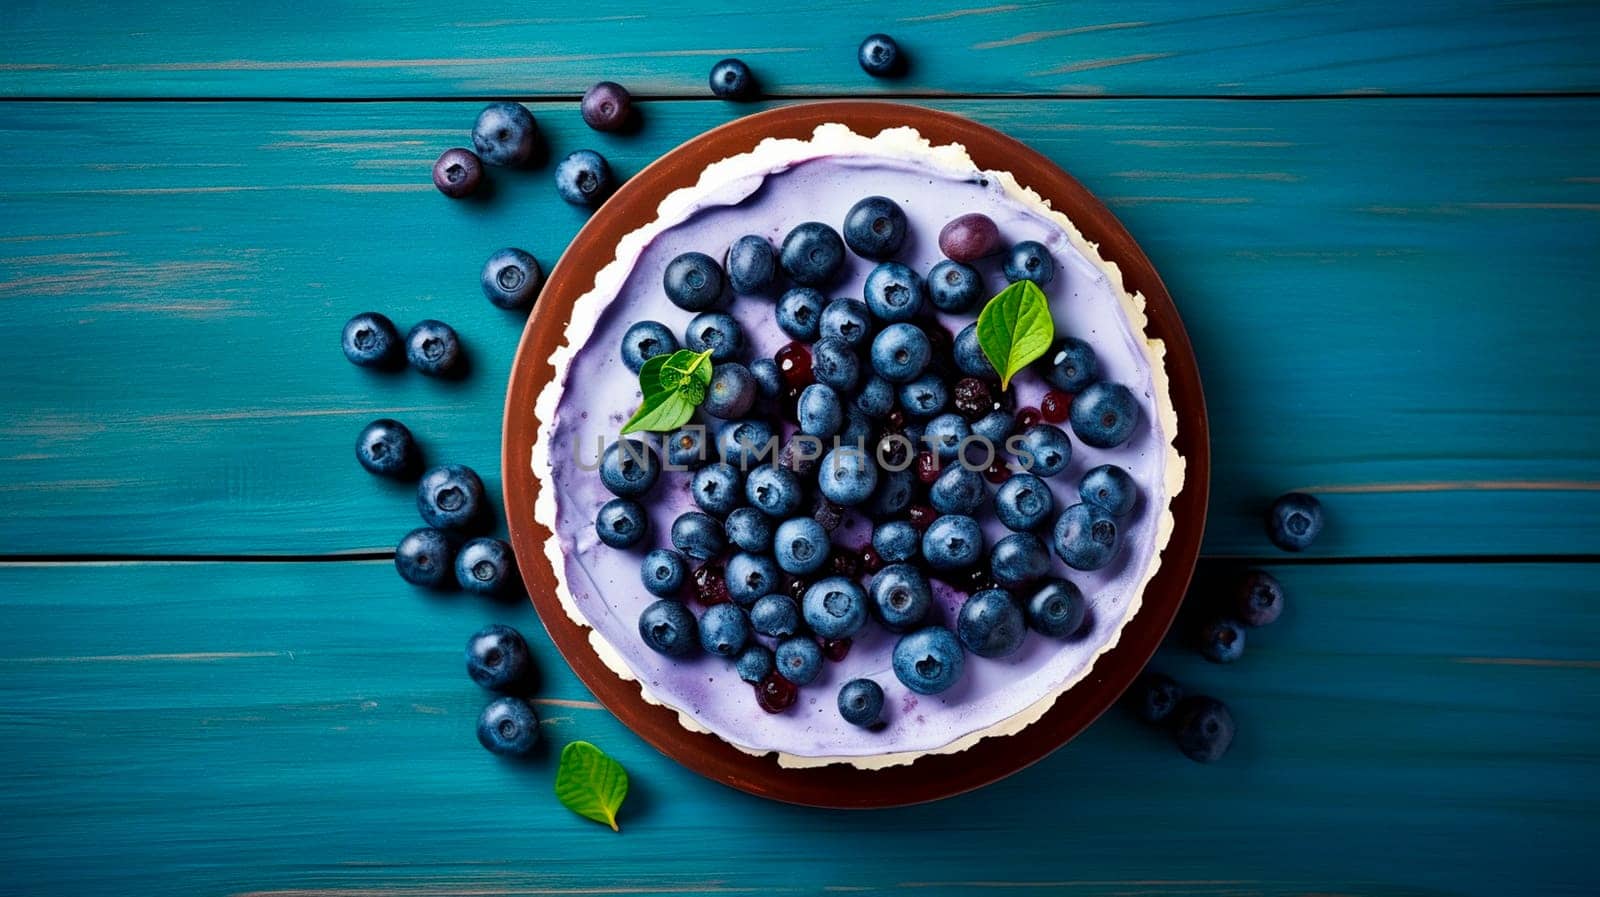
[756, 256]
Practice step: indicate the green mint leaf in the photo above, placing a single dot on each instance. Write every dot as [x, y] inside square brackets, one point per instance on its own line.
[590, 783]
[1015, 328]
[660, 412]
[672, 386]
[650, 375]
[685, 365]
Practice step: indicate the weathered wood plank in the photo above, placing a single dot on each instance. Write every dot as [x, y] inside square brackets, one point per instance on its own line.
[1389, 302]
[476, 47]
[307, 728]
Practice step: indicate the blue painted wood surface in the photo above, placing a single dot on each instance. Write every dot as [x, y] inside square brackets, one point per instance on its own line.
[1391, 299]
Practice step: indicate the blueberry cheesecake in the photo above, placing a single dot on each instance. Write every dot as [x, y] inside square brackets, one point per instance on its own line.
[856, 453]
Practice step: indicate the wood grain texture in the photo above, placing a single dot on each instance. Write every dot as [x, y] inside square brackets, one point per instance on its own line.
[1389, 302]
[296, 728]
[483, 47]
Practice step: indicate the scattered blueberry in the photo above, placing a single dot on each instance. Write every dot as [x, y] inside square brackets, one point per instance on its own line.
[969, 356]
[1069, 365]
[1111, 488]
[425, 557]
[834, 607]
[994, 427]
[716, 488]
[847, 319]
[847, 475]
[686, 447]
[901, 596]
[387, 448]
[744, 443]
[775, 615]
[834, 363]
[723, 630]
[693, 281]
[928, 661]
[457, 172]
[896, 541]
[1029, 260]
[773, 490]
[924, 396]
[800, 545]
[484, 566]
[1048, 448]
[644, 341]
[1203, 728]
[879, 56]
[1024, 503]
[876, 397]
[748, 528]
[1294, 521]
[732, 391]
[1259, 599]
[799, 313]
[621, 523]
[952, 542]
[583, 178]
[605, 106]
[750, 576]
[1085, 537]
[505, 134]
[900, 352]
[990, 624]
[755, 663]
[894, 292]
[954, 288]
[717, 331]
[1154, 696]
[370, 340]
[509, 727]
[451, 497]
[433, 348]
[663, 571]
[799, 660]
[731, 79]
[698, 535]
[1104, 414]
[1056, 608]
[769, 380]
[629, 468]
[818, 411]
[498, 659]
[1019, 559]
[969, 237]
[861, 703]
[669, 628]
[752, 265]
[1222, 641]
[812, 254]
[958, 490]
[875, 228]
[511, 278]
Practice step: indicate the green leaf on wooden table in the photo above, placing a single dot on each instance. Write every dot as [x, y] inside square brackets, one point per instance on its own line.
[590, 783]
[1015, 328]
[672, 386]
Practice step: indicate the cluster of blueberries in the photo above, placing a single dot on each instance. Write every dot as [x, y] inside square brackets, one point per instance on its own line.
[914, 418]
[498, 660]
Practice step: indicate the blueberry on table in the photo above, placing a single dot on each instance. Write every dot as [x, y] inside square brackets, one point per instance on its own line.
[1222, 641]
[969, 237]
[426, 557]
[879, 56]
[754, 663]
[433, 348]
[1111, 488]
[901, 596]
[954, 288]
[693, 281]
[731, 79]
[731, 393]
[749, 528]
[628, 468]
[752, 265]
[498, 659]
[799, 660]
[990, 624]
[834, 607]
[1019, 559]
[457, 172]
[1203, 728]
[775, 615]
[1046, 450]
[751, 576]
[800, 546]
[370, 340]
[451, 497]
[772, 490]
[505, 134]
[644, 341]
[1070, 365]
[928, 661]
[1029, 260]
[1294, 521]
[663, 572]
[1104, 414]
[1024, 503]
[861, 703]
[952, 542]
[484, 566]
[969, 356]
[1086, 537]
[875, 228]
[724, 630]
[812, 254]
[386, 447]
[1154, 696]
[509, 727]
[1259, 599]
[901, 352]
[669, 628]
[896, 541]
[605, 106]
[1056, 608]
[583, 178]
[698, 535]
[621, 523]
[511, 278]
[799, 313]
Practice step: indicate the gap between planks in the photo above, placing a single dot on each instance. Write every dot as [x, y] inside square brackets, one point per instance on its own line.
[931, 95]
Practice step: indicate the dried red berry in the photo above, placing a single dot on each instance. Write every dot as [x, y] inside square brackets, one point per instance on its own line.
[870, 561]
[776, 694]
[835, 649]
[1055, 406]
[710, 584]
[997, 473]
[1027, 417]
[927, 467]
[972, 398]
[794, 365]
[921, 516]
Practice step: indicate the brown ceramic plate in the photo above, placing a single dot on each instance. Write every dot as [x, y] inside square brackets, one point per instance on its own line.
[932, 777]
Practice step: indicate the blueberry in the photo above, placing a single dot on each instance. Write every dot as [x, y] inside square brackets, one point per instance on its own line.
[605, 106]
[893, 494]
[621, 523]
[944, 435]
[799, 660]
[732, 391]
[894, 292]
[744, 443]
[954, 288]
[969, 356]
[511, 278]
[775, 615]
[731, 80]
[1154, 696]
[752, 265]
[990, 624]
[370, 340]
[952, 542]
[1069, 365]
[1045, 450]
[896, 541]
[861, 703]
[433, 348]
[928, 661]
[694, 281]
[1294, 521]
[958, 490]
[818, 411]
[716, 331]
[879, 56]
[834, 364]
[773, 490]
[385, 447]
[1202, 728]
[857, 431]
[425, 557]
[748, 528]
[875, 227]
[1104, 414]
[848, 320]
[723, 630]
[812, 254]
[900, 352]
[1110, 488]
[1258, 599]
[799, 313]
[716, 488]
[1029, 260]
[484, 566]
[669, 628]
[1019, 559]
[583, 178]
[847, 475]
[754, 664]
[1024, 502]
[628, 468]
[749, 576]
[769, 380]
[505, 134]
[644, 341]
[686, 447]
[1222, 641]
[901, 596]
[969, 237]
[663, 571]
[800, 545]
[925, 396]
[698, 535]
[994, 427]
[1056, 608]
[509, 727]
[457, 172]
[876, 397]
[834, 607]
[498, 659]
[1085, 537]
[451, 497]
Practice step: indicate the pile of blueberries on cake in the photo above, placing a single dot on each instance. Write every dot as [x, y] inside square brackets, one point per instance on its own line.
[881, 403]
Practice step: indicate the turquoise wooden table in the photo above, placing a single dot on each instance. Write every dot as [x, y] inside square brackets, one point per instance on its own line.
[1381, 222]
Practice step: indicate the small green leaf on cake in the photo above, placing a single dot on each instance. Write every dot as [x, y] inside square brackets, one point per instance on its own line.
[672, 386]
[590, 783]
[1015, 328]
[660, 413]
